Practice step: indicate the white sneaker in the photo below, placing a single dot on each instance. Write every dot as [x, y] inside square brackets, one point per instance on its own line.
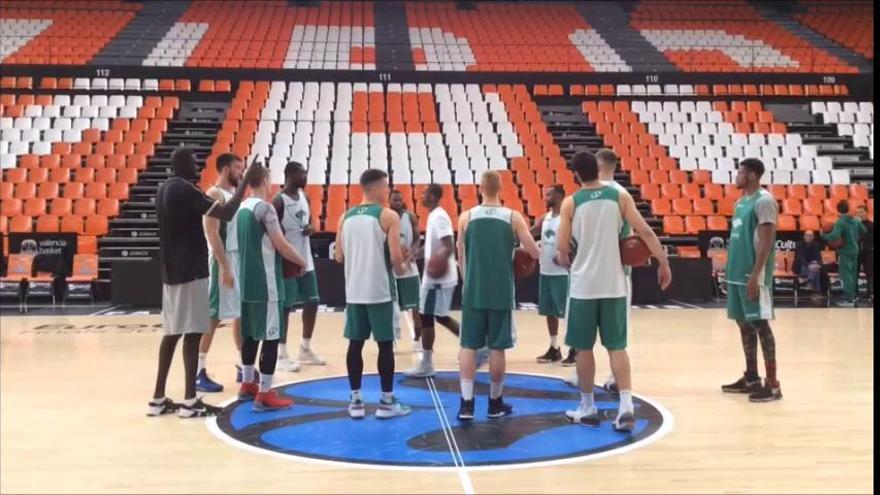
[308, 356]
[392, 409]
[286, 364]
[356, 409]
[422, 370]
[572, 381]
[586, 417]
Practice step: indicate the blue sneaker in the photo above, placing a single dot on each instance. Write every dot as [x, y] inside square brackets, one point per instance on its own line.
[205, 384]
[238, 375]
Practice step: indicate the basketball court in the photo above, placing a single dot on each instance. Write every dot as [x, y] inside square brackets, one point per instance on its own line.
[74, 392]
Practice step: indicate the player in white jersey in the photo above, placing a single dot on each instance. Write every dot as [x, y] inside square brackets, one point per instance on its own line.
[607, 160]
[300, 288]
[553, 279]
[435, 299]
[368, 245]
[594, 218]
[223, 291]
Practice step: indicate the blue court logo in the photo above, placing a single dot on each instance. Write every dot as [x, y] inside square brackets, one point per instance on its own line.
[318, 426]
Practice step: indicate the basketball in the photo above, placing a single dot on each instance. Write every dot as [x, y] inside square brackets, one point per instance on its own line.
[291, 270]
[523, 263]
[437, 266]
[827, 227]
[634, 251]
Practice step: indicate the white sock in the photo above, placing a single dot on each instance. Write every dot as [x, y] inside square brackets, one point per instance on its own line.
[265, 382]
[157, 402]
[190, 402]
[282, 351]
[356, 395]
[247, 373]
[610, 379]
[202, 357]
[495, 389]
[554, 341]
[467, 389]
[587, 401]
[306, 344]
[426, 357]
[626, 401]
[387, 396]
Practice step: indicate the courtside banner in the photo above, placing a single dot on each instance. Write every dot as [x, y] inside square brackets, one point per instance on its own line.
[57, 244]
[717, 239]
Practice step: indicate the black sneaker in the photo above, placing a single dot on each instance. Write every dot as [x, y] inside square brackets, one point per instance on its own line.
[569, 360]
[198, 410]
[742, 386]
[167, 406]
[624, 423]
[766, 393]
[611, 387]
[466, 410]
[498, 409]
[552, 355]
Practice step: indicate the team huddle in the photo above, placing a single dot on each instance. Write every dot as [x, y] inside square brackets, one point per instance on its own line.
[260, 267]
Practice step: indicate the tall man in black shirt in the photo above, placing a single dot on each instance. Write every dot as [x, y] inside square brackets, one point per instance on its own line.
[183, 258]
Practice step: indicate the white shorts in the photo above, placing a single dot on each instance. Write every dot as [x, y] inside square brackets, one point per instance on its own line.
[185, 307]
[224, 303]
[436, 300]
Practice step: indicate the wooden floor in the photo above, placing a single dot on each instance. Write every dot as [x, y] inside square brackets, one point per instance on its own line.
[73, 413]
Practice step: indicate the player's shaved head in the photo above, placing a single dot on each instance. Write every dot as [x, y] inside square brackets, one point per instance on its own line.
[490, 183]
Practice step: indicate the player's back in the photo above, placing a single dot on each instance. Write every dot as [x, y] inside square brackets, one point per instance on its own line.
[260, 264]
[367, 261]
[488, 245]
[597, 223]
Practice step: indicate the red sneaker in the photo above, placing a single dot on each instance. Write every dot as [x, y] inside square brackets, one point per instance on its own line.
[269, 401]
[248, 391]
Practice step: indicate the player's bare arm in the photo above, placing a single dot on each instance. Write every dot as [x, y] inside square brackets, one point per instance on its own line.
[521, 229]
[643, 230]
[563, 234]
[212, 233]
[390, 222]
[337, 248]
[766, 234]
[462, 227]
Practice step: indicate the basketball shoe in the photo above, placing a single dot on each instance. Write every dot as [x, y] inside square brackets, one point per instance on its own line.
[586, 417]
[162, 406]
[391, 409]
[498, 409]
[356, 409]
[466, 410]
[569, 360]
[742, 386]
[205, 384]
[307, 356]
[248, 391]
[198, 409]
[552, 355]
[269, 401]
[766, 393]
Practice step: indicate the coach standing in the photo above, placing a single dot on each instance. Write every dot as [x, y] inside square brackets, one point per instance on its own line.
[183, 258]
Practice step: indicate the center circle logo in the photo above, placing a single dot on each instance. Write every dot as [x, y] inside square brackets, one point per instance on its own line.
[318, 427]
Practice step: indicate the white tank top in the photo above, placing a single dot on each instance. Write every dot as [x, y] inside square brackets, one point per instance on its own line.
[596, 271]
[549, 230]
[368, 278]
[407, 236]
[231, 241]
[297, 215]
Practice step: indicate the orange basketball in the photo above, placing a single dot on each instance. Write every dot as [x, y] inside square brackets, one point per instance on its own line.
[523, 263]
[634, 251]
[437, 266]
[291, 270]
[827, 227]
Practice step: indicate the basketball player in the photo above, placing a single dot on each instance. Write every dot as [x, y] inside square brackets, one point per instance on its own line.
[435, 299]
[850, 230]
[487, 235]
[594, 217]
[295, 215]
[368, 244]
[408, 283]
[183, 261]
[553, 279]
[262, 244]
[223, 298]
[750, 266]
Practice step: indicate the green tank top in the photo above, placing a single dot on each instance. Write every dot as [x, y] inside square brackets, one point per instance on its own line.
[369, 278]
[261, 276]
[488, 246]
[742, 246]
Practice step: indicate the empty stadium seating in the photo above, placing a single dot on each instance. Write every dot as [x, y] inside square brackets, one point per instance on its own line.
[850, 24]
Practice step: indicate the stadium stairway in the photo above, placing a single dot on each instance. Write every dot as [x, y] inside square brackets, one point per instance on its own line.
[393, 46]
[783, 19]
[572, 132]
[843, 153]
[134, 233]
[138, 38]
[611, 21]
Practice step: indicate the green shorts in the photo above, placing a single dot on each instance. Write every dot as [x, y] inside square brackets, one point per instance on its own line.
[362, 320]
[301, 290]
[552, 294]
[586, 316]
[408, 292]
[740, 308]
[491, 328]
[263, 320]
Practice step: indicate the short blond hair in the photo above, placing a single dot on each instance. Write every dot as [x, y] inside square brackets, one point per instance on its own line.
[490, 183]
[606, 158]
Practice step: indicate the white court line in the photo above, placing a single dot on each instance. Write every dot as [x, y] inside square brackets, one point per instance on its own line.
[466, 485]
[691, 306]
[102, 311]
